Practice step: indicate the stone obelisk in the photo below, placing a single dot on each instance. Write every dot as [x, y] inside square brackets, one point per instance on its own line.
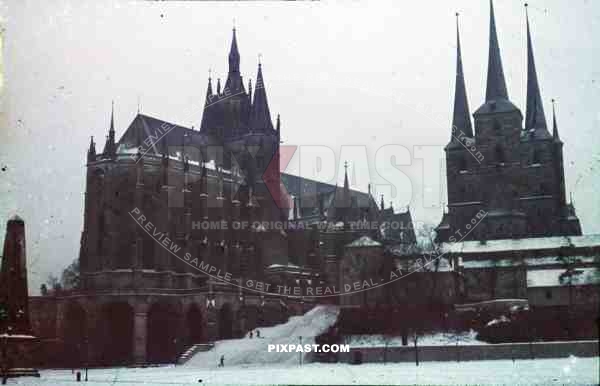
[17, 343]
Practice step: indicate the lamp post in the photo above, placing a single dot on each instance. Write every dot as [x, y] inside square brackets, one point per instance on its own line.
[86, 344]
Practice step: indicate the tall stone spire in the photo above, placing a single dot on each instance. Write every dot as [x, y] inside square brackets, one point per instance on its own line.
[234, 55]
[260, 116]
[461, 119]
[110, 147]
[209, 101]
[534, 117]
[496, 85]
[209, 92]
[234, 79]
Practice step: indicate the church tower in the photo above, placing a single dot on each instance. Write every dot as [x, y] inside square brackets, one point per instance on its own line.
[513, 173]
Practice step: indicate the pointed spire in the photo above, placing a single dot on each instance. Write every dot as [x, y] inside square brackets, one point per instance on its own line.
[534, 117]
[91, 155]
[209, 100]
[234, 55]
[382, 203]
[209, 90]
[461, 119]
[234, 80]
[260, 116]
[110, 147]
[112, 118]
[218, 86]
[554, 124]
[496, 85]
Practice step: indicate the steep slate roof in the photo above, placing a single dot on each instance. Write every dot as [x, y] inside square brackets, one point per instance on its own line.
[157, 133]
[313, 191]
[496, 95]
[527, 244]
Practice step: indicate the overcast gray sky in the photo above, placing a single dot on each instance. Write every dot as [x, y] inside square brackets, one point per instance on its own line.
[351, 73]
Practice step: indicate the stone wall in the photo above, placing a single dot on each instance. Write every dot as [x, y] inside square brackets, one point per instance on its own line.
[473, 352]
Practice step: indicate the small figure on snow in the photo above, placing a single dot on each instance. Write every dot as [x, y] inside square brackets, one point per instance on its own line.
[222, 361]
[250, 334]
[258, 333]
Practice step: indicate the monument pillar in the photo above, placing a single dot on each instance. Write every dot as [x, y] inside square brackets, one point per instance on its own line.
[16, 337]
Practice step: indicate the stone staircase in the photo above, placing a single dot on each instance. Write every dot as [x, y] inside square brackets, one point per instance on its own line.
[192, 350]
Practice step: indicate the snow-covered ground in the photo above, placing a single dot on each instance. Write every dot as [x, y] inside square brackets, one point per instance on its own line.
[439, 339]
[247, 361]
[540, 371]
[248, 351]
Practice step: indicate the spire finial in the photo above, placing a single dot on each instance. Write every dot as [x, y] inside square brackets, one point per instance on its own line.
[259, 59]
[496, 85]
[461, 118]
[382, 203]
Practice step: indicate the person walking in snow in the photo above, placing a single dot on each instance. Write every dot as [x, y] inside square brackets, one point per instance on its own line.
[250, 334]
[222, 361]
[258, 333]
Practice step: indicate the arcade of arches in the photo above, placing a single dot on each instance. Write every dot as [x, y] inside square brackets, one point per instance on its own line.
[130, 329]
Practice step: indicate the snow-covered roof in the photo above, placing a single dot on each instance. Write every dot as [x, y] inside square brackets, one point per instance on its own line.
[552, 277]
[423, 265]
[364, 241]
[536, 243]
[288, 265]
[529, 261]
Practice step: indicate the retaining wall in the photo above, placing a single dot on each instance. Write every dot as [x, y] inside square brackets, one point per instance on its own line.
[472, 352]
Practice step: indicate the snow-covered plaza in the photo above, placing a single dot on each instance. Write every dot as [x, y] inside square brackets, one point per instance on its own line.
[540, 371]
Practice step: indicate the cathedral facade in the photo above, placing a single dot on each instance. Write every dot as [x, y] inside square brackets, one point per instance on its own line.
[164, 196]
